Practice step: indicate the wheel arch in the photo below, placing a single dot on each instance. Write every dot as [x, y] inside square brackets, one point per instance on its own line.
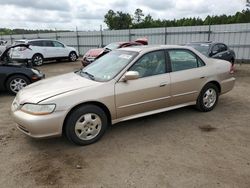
[96, 103]
[73, 51]
[216, 83]
[14, 74]
[38, 53]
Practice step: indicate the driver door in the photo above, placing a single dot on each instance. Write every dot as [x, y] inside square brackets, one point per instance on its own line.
[151, 91]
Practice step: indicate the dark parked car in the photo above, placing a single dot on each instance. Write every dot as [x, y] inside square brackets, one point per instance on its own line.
[94, 54]
[14, 76]
[215, 50]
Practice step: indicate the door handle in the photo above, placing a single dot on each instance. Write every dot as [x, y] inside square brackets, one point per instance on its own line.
[202, 77]
[163, 84]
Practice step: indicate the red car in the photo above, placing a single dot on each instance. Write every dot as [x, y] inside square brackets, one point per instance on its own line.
[94, 54]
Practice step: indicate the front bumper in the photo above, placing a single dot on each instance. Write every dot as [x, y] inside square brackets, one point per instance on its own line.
[39, 126]
[37, 77]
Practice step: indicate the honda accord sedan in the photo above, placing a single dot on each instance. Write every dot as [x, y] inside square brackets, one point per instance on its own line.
[136, 82]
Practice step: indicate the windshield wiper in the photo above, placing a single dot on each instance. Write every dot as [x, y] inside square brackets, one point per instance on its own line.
[92, 77]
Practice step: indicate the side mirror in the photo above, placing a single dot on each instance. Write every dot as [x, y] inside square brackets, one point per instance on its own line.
[131, 75]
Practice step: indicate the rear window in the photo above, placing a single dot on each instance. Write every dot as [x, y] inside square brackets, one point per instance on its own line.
[202, 48]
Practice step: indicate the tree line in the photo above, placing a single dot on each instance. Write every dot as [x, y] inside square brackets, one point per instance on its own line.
[6, 31]
[121, 20]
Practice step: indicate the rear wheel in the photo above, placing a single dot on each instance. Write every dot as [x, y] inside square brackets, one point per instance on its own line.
[37, 60]
[16, 83]
[86, 125]
[72, 56]
[208, 98]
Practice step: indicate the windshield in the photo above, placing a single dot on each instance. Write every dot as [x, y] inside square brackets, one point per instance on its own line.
[112, 46]
[108, 66]
[202, 48]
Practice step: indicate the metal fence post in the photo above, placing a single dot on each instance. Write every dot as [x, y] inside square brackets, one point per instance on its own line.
[129, 34]
[209, 33]
[166, 30]
[11, 39]
[56, 34]
[77, 41]
[101, 35]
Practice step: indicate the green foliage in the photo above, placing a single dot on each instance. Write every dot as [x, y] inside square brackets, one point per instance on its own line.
[5, 31]
[114, 20]
[118, 20]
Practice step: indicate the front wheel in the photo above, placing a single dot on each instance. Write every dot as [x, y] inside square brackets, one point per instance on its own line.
[16, 83]
[86, 125]
[72, 57]
[208, 98]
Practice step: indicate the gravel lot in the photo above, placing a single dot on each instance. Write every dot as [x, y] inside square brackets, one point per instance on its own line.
[180, 148]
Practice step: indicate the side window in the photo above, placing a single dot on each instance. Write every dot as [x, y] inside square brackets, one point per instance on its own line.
[216, 48]
[150, 64]
[222, 47]
[36, 43]
[58, 44]
[183, 60]
[47, 43]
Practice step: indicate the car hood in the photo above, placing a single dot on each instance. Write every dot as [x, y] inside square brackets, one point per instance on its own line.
[94, 52]
[51, 87]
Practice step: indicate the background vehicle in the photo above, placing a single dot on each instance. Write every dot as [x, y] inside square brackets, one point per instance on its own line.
[14, 76]
[94, 54]
[215, 50]
[124, 84]
[3, 45]
[43, 49]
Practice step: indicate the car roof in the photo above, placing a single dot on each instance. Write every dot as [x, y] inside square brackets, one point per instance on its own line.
[28, 40]
[148, 48]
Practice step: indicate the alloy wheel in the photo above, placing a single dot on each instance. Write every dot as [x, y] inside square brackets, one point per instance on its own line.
[209, 98]
[17, 84]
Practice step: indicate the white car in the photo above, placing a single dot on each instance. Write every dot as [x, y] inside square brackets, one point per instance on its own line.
[43, 49]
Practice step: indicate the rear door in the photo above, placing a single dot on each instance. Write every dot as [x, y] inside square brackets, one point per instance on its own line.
[59, 49]
[150, 92]
[187, 77]
[49, 50]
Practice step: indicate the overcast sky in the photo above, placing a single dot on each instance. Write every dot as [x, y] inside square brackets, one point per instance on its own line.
[89, 14]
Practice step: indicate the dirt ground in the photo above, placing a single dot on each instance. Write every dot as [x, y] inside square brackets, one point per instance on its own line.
[180, 148]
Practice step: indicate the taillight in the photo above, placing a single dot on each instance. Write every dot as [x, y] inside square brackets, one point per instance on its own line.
[232, 69]
[22, 48]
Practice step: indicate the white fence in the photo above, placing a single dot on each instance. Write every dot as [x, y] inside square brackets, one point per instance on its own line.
[236, 36]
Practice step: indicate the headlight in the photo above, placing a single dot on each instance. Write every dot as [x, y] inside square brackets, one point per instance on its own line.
[38, 109]
[35, 71]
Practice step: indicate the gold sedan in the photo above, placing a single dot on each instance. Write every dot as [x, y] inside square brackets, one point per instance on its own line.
[124, 84]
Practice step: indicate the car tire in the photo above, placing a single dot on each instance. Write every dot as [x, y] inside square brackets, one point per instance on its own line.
[208, 98]
[73, 56]
[16, 83]
[86, 125]
[37, 60]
